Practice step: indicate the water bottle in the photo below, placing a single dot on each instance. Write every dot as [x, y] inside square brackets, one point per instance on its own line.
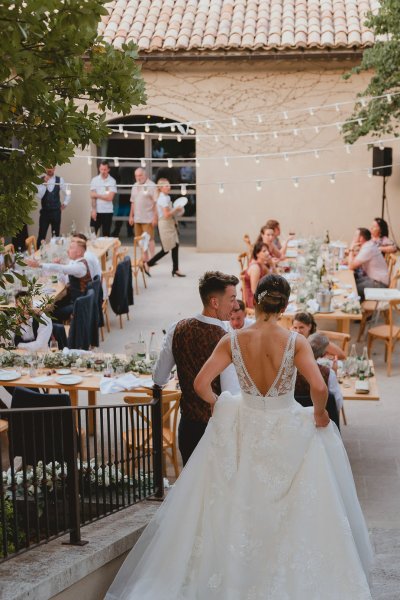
[141, 349]
[353, 361]
[153, 354]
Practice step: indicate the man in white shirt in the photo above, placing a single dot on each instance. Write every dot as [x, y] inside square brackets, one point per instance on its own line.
[238, 318]
[49, 194]
[188, 344]
[78, 274]
[103, 188]
[92, 260]
[366, 260]
[35, 334]
[143, 214]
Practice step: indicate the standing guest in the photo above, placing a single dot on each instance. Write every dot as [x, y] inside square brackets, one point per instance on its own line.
[90, 257]
[380, 235]
[188, 344]
[304, 323]
[143, 213]
[49, 194]
[103, 188]
[167, 227]
[34, 334]
[275, 226]
[78, 274]
[367, 262]
[259, 266]
[238, 318]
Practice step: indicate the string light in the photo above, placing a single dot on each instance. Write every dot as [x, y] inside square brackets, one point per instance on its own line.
[197, 163]
[363, 102]
[360, 122]
[178, 138]
[173, 128]
[160, 138]
[147, 128]
[183, 189]
[234, 121]
[208, 125]
[311, 111]
[258, 186]
[257, 159]
[143, 163]
[169, 162]
[388, 98]
[125, 134]
[332, 178]
[116, 162]
[381, 145]
[120, 129]
[68, 190]
[339, 127]
[316, 153]
[296, 182]
[370, 172]
[226, 161]
[316, 128]
[285, 156]
[89, 161]
[259, 119]
[142, 136]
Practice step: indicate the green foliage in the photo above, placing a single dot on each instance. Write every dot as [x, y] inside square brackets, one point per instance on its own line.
[8, 532]
[383, 61]
[57, 76]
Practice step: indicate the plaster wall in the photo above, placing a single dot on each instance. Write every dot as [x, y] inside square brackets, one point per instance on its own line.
[219, 89]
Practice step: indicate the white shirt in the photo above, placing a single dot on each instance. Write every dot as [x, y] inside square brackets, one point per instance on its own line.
[163, 201]
[334, 388]
[93, 264]
[42, 187]
[76, 268]
[166, 361]
[371, 260]
[143, 200]
[43, 335]
[99, 185]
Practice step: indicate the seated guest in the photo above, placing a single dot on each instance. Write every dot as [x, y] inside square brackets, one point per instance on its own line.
[267, 237]
[259, 266]
[238, 318]
[302, 387]
[319, 344]
[380, 235]
[90, 257]
[275, 226]
[366, 260]
[34, 334]
[304, 323]
[78, 274]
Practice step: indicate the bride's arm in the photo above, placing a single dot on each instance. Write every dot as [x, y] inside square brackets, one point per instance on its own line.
[218, 361]
[307, 365]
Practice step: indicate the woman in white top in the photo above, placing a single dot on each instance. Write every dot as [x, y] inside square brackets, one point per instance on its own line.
[167, 227]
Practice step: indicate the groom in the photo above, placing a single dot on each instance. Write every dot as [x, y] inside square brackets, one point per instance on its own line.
[188, 344]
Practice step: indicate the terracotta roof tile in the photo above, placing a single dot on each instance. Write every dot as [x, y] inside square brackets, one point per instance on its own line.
[242, 25]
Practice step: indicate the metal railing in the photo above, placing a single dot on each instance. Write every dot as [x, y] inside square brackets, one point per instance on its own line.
[64, 467]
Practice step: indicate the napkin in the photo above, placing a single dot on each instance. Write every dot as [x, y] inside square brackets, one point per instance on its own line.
[312, 306]
[67, 351]
[109, 385]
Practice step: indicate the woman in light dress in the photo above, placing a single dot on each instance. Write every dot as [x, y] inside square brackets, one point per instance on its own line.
[167, 227]
[266, 507]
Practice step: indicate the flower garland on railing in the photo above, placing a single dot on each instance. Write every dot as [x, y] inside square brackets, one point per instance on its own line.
[90, 361]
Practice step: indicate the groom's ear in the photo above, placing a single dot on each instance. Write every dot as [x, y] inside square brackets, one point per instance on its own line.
[214, 302]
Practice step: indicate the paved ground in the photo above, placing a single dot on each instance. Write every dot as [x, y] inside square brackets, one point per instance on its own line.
[372, 436]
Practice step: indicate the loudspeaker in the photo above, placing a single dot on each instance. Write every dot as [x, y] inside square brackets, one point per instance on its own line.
[382, 161]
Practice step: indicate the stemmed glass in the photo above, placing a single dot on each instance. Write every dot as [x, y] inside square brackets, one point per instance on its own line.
[53, 345]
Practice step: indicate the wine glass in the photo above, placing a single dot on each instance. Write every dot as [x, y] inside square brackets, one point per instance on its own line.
[53, 345]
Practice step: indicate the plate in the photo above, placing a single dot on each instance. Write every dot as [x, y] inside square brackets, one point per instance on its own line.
[9, 375]
[63, 371]
[69, 379]
[180, 202]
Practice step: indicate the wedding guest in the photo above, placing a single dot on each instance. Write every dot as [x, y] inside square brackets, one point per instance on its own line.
[143, 212]
[188, 345]
[90, 257]
[367, 262]
[320, 344]
[103, 188]
[275, 226]
[53, 197]
[380, 236]
[78, 273]
[167, 227]
[304, 323]
[238, 318]
[259, 266]
[34, 334]
[267, 237]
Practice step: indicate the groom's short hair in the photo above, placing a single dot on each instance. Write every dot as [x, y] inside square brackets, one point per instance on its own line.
[213, 283]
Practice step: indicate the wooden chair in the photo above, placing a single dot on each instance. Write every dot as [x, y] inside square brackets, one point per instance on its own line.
[243, 260]
[140, 245]
[341, 339]
[249, 245]
[170, 400]
[119, 253]
[388, 333]
[107, 277]
[368, 307]
[31, 244]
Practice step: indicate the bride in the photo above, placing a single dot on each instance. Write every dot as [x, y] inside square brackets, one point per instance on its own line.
[266, 508]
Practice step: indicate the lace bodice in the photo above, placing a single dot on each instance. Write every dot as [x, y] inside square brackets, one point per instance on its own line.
[285, 378]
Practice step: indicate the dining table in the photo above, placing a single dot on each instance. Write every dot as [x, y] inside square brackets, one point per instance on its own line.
[348, 387]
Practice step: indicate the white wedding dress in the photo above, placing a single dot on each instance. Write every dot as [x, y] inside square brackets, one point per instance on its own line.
[266, 509]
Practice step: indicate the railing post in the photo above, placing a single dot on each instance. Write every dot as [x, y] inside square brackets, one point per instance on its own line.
[156, 418]
[71, 459]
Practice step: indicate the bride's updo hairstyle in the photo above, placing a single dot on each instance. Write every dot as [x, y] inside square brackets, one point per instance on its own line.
[272, 294]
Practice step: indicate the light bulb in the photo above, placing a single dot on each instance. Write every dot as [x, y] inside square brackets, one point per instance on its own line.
[285, 115]
[359, 121]
[226, 161]
[143, 163]
[183, 189]
[316, 153]
[258, 186]
[221, 188]
[370, 172]
[259, 118]
[348, 149]
[296, 182]
[116, 162]
[311, 111]
[256, 136]
[257, 159]
[89, 160]
[316, 129]
[236, 137]
[216, 138]
[142, 136]
[332, 178]
[208, 125]
[275, 134]
[197, 162]
[363, 102]
[381, 145]
[120, 129]
[159, 137]
[295, 132]
[125, 134]
[67, 191]
[234, 121]
[169, 162]
[339, 126]
[388, 98]
[178, 138]
[337, 107]
[285, 156]
[173, 128]
[147, 128]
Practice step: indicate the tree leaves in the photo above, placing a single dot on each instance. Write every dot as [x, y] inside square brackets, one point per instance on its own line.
[381, 115]
[56, 77]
